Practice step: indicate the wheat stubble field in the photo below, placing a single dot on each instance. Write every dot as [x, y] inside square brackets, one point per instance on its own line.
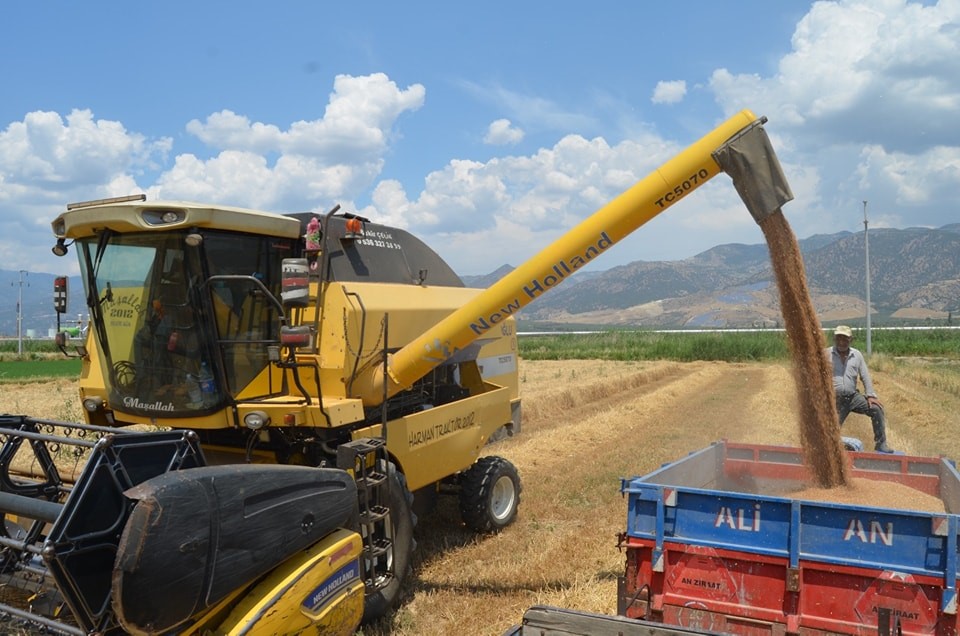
[587, 424]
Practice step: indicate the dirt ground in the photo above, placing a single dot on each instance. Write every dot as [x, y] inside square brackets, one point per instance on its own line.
[586, 424]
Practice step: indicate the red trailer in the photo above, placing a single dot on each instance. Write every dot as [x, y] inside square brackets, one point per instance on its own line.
[716, 544]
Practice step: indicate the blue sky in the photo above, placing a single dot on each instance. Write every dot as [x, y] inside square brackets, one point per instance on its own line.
[485, 128]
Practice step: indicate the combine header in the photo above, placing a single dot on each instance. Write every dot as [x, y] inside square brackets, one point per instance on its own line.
[270, 397]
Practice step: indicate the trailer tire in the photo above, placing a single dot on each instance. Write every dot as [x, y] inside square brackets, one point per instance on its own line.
[382, 600]
[489, 494]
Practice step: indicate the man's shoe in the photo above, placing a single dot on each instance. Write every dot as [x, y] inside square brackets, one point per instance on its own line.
[883, 448]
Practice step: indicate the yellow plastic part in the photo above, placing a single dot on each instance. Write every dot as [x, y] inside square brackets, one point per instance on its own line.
[318, 591]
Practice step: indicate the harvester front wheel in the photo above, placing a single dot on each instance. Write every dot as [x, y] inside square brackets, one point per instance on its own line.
[489, 494]
[385, 596]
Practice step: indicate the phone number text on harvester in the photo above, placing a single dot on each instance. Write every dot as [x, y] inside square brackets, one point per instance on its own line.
[372, 242]
[691, 182]
[377, 238]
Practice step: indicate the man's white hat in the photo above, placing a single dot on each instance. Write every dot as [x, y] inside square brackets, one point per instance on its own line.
[843, 330]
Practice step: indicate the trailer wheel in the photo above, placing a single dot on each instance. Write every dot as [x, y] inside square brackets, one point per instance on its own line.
[385, 596]
[489, 494]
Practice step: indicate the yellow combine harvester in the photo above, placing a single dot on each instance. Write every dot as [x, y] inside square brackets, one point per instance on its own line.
[270, 399]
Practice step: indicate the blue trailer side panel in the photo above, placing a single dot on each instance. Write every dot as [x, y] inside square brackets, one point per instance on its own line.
[690, 502]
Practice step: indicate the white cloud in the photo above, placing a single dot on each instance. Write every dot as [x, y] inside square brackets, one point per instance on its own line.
[336, 157]
[670, 92]
[355, 125]
[869, 95]
[503, 133]
[537, 197]
[44, 151]
[226, 129]
[47, 160]
[232, 177]
[862, 71]
[919, 179]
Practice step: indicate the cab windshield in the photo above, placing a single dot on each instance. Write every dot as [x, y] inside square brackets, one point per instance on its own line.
[170, 341]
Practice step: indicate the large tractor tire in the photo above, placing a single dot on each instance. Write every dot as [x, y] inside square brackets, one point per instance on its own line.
[489, 494]
[402, 521]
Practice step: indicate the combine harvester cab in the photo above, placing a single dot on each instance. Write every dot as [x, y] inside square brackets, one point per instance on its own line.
[316, 359]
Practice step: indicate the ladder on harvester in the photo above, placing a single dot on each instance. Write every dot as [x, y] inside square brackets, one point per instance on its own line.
[367, 458]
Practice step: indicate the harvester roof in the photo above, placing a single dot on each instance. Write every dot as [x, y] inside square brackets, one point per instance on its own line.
[143, 216]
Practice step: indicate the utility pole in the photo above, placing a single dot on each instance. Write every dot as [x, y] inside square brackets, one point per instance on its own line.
[866, 251]
[20, 314]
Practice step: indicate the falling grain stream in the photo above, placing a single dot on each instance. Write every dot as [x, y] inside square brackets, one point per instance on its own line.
[819, 433]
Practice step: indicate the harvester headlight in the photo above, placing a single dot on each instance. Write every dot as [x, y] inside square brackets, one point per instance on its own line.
[255, 420]
[93, 403]
[152, 216]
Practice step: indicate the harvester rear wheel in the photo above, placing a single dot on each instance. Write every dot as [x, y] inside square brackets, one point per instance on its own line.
[489, 494]
[385, 596]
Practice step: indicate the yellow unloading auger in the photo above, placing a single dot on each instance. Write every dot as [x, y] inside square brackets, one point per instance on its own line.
[739, 146]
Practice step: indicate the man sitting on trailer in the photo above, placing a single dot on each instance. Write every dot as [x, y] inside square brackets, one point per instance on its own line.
[849, 366]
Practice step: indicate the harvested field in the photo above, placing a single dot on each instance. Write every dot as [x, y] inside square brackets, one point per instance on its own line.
[586, 424]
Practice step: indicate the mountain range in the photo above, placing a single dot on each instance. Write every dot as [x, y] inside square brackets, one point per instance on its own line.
[915, 276]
